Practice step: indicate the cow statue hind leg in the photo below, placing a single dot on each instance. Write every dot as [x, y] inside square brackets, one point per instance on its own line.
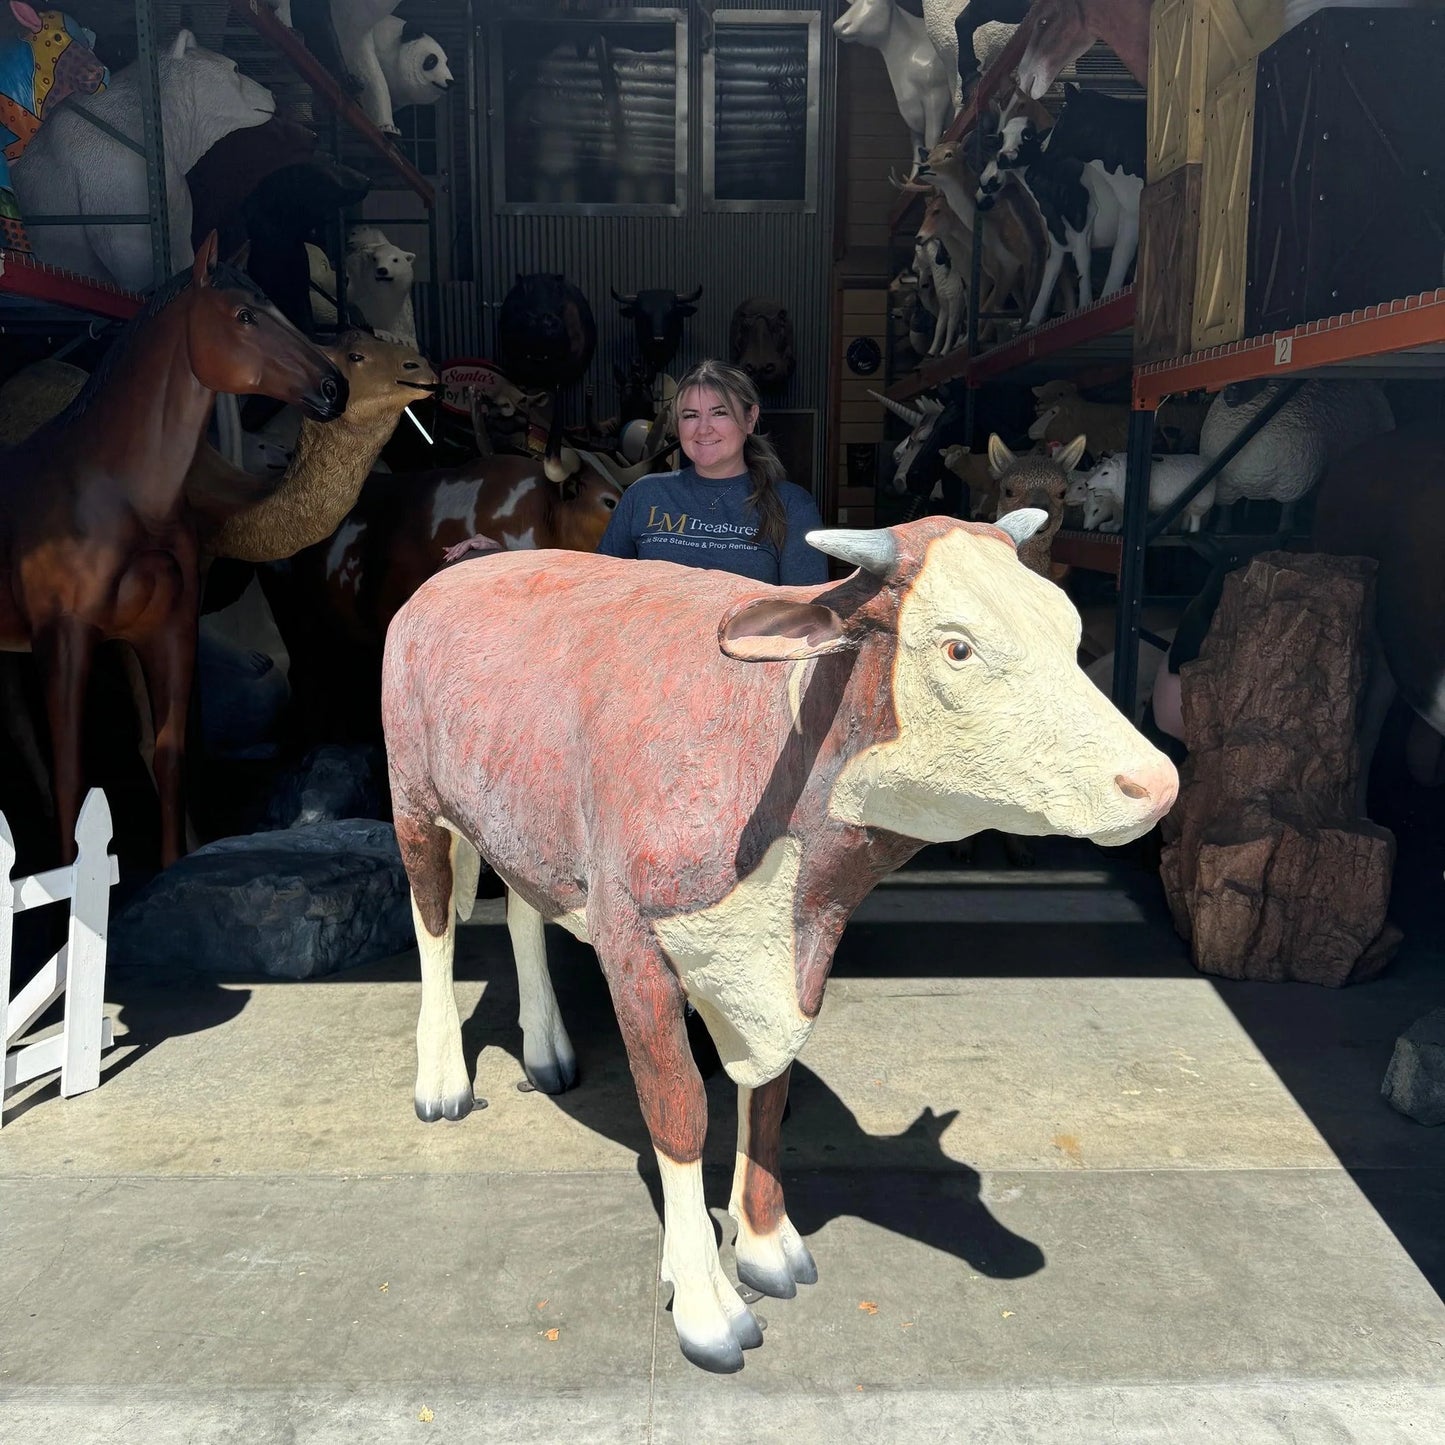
[547, 1054]
[713, 1324]
[440, 865]
[771, 1255]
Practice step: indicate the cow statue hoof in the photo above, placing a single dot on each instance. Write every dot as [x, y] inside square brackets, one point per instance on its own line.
[773, 1264]
[551, 1069]
[714, 1331]
[453, 1107]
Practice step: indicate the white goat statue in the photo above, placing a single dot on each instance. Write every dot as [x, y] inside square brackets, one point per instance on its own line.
[1103, 491]
[72, 167]
[921, 83]
[413, 65]
[378, 284]
[952, 301]
[1322, 421]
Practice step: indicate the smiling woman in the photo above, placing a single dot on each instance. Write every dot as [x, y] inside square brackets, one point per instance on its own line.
[732, 509]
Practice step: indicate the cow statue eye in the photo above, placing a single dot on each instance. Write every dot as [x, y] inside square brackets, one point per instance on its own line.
[957, 651]
[355, 356]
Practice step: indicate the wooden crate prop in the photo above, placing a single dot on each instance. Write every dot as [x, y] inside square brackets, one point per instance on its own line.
[1168, 256]
[1194, 45]
[1347, 192]
[1224, 212]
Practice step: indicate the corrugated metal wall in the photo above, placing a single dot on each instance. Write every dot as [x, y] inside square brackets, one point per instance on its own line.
[731, 255]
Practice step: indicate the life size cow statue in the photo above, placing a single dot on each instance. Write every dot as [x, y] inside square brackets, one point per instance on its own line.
[932, 693]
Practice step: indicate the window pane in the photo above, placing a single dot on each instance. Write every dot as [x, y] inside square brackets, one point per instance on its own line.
[590, 112]
[761, 108]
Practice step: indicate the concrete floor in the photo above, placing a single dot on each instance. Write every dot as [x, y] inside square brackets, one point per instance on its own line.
[1059, 1187]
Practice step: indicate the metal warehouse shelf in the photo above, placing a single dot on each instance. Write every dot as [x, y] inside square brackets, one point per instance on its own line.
[1392, 338]
[23, 276]
[1092, 335]
[289, 43]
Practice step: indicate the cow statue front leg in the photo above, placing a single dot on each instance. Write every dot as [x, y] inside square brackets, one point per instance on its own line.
[771, 1255]
[713, 1324]
[437, 861]
[547, 1054]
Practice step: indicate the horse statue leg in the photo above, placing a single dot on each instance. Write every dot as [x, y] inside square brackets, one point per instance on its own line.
[64, 649]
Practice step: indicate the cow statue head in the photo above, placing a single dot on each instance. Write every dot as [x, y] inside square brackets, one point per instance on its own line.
[993, 723]
[657, 318]
[760, 340]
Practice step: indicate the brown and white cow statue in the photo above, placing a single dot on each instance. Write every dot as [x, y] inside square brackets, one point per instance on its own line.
[575, 721]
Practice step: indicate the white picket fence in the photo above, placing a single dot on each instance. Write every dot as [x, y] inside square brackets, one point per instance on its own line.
[77, 971]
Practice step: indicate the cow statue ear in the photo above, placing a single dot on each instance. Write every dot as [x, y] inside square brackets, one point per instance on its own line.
[772, 630]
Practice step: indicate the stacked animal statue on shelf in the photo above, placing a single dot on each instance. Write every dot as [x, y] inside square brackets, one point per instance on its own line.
[1060, 414]
[379, 279]
[1102, 491]
[760, 340]
[1062, 30]
[922, 83]
[1085, 174]
[95, 538]
[73, 167]
[1012, 246]
[931, 693]
[1283, 461]
[52, 59]
[967, 34]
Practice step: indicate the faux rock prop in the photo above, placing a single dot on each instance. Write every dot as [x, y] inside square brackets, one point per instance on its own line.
[331, 782]
[295, 904]
[1415, 1080]
[1270, 874]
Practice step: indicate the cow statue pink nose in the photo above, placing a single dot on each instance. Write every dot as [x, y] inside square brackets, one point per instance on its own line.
[1158, 784]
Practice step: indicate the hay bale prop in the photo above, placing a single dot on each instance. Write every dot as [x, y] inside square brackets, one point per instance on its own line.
[1269, 872]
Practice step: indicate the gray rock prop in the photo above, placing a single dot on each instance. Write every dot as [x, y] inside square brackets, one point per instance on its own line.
[330, 782]
[299, 903]
[1415, 1079]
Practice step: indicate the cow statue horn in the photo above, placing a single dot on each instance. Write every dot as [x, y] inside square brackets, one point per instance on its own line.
[1021, 525]
[874, 551]
[695, 296]
[623, 300]
[903, 413]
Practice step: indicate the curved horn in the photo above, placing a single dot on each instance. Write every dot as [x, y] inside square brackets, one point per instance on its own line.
[623, 300]
[874, 551]
[693, 297]
[555, 470]
[1021, 525]
[903, 413]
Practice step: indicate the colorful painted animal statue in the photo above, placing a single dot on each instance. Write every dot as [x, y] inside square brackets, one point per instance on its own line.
[95, 540]
[74, 168]
[1064, 29]
[921, 82]
[814, 738]
[52, 58]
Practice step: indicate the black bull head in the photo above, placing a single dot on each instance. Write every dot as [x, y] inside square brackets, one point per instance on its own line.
[657, 318]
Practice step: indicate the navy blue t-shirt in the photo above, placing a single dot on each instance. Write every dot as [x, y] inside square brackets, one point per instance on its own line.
[701, 522]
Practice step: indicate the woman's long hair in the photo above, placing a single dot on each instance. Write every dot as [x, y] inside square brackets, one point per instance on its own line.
[764, 465]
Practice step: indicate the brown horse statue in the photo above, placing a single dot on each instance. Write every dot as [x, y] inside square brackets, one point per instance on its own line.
[1062, 30]
[95, 540]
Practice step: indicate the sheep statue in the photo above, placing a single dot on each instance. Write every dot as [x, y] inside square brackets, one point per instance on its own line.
[74, 167]
[53, 58]
[378, 284]
[1060, 414]
[1103, 491]
[1319, 423]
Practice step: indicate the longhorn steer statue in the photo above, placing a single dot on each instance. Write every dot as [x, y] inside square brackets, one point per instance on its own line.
[932, 693]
